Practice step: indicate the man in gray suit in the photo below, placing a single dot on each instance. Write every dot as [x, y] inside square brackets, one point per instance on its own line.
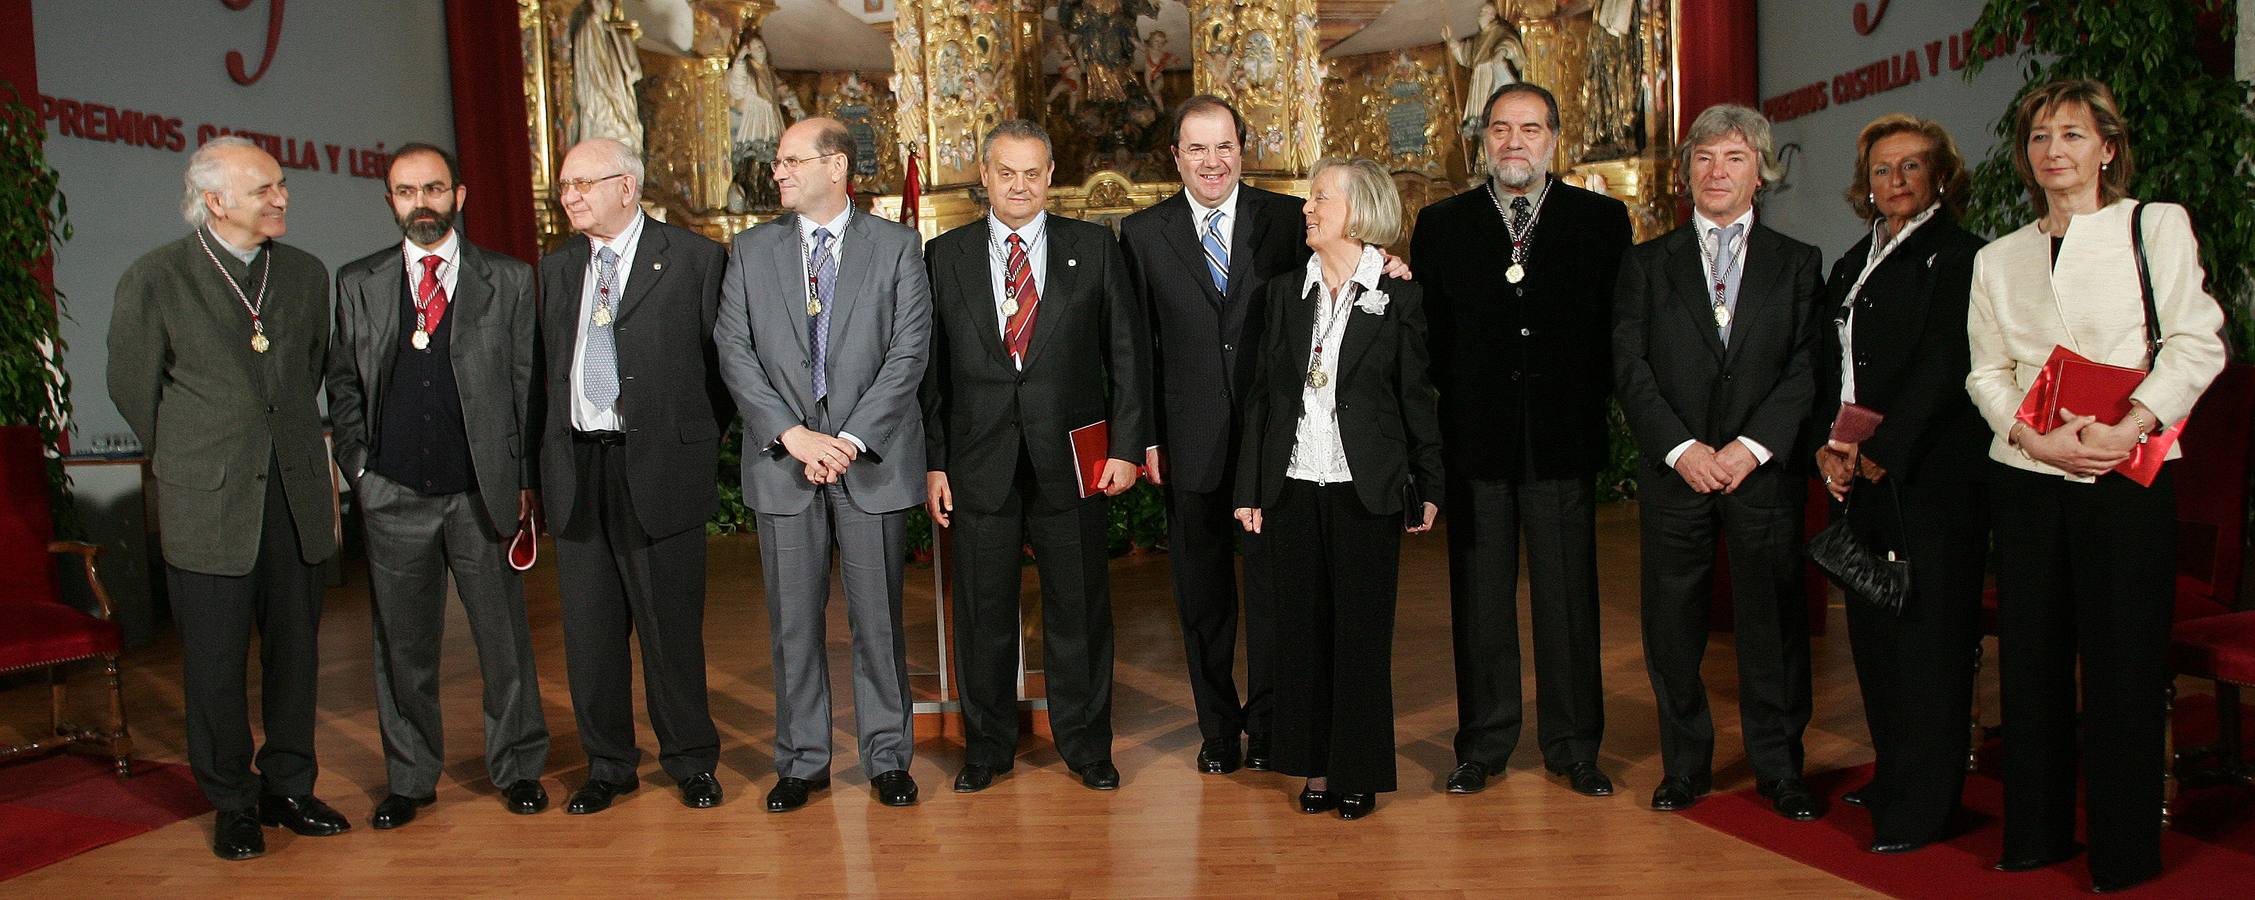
[430, 379]
[216, 346]
[825, 321]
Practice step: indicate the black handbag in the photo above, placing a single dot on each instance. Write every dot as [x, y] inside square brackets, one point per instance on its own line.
[1878, 579]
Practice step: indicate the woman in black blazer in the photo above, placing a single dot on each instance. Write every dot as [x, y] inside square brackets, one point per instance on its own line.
[1341, 447]
[1898, 304]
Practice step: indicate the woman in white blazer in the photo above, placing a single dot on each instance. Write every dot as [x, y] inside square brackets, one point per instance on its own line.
[2085, 557]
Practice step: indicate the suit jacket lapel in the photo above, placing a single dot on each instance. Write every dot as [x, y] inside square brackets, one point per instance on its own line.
[1298, 343]
[853, 276]
[1688, 276]
[1061, 270]
[1245, 235]
[472, 300]
[1756, 284]
[974, 279]
[649, 267]
[1362, 332]
[1180, 228]
[790, 288]
[378, 294]
[564, 310]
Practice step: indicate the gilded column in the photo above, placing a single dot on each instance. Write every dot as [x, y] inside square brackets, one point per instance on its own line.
[977, 64]
[687, 148]
[1264, 56]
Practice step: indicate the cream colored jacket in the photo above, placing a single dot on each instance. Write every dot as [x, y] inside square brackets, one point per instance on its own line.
[2023, 306]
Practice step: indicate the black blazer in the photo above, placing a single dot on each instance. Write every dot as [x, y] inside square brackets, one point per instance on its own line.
[1090, 361]
[1534, 355]
[670, 392]
[1912, 356]
[494, 319]
[1677, 382]
[1202, 342]
[1385, 398]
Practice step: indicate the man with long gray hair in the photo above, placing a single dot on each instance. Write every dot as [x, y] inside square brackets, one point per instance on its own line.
[216, 349]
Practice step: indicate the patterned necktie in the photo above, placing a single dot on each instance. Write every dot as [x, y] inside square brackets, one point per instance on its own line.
[1726, 278]
[1520, 209]
[432, 292]
[823, 268]
[1018, 281]
[1217, 252]
[600, 367]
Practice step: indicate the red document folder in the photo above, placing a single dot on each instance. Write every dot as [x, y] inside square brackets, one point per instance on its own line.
[2085, 388]
[1092, 448]
[1855, 424]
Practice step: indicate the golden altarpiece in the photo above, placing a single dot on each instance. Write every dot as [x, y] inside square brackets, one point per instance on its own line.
[1100, 75]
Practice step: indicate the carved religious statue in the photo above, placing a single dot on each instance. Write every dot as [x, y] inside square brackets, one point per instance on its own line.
[1102, 37]
[604, 74]
[1496, 56]
[757, 101]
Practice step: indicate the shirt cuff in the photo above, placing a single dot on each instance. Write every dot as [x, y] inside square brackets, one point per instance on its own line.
[1761, 453]
[1677, 453]
[857, 444]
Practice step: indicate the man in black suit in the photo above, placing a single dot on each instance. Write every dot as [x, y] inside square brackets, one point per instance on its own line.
[1523, 363]
[1713, 340]
[1196, 260]
[431, 377]
[1037, 334]
[629, 451]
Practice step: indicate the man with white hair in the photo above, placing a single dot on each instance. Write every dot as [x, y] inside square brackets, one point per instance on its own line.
[629, 450]
[1714, 336]
[216, 347]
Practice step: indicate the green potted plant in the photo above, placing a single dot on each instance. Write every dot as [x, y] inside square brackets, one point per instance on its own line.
[34, 390]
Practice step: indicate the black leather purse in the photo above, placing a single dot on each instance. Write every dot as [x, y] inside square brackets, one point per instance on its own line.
[1876, 578]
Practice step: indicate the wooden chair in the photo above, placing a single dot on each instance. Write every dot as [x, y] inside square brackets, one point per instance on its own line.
[42, 631]
[2210, 641]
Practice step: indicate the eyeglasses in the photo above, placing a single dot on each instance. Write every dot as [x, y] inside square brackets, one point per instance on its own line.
[793, 162]
[583, 185]
[409, 192]
[1199, 152]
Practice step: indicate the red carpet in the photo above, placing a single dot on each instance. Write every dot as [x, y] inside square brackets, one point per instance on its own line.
[56, 808]
[2209, 853]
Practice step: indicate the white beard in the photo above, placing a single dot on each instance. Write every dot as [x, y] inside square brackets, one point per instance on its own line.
[1516, 175]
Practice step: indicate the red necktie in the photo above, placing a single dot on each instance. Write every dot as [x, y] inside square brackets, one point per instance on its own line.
[433, 296]
[1018, 283]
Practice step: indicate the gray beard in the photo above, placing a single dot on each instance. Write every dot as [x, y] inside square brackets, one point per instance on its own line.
[1516, 176]
[426, 231]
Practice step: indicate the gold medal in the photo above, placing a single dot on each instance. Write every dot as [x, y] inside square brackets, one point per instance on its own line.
[259, 343]
[1722, 316]
[1009, 307]
[420, 339]
[1515, 273]
[1316, 379]
[602, 316]
[813, 307]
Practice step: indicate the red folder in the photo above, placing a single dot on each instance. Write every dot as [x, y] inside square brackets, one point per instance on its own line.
[2086, 388]
[1855, 424]
[1092, 448]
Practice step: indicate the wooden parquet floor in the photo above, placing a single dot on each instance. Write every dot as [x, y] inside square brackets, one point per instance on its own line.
[1168, 832]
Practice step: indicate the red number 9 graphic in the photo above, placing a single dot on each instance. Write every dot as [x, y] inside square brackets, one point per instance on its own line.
[235, 58]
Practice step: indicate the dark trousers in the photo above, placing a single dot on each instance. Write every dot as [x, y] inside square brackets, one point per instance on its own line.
[1916, 669]
[1201, 534]
[1069, 540]
[616, 580]
[415, 541]
[1768, 615]
[2085, 571]
[280, 601]
[1334, 566]
[1558, 519]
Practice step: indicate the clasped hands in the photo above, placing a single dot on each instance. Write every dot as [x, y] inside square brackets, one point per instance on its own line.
[824, 456]
[1708, 470]
[1841, 463]
[2081, 445]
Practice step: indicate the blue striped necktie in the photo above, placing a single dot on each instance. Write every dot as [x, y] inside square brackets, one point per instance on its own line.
[1217, 252]
[825, 264]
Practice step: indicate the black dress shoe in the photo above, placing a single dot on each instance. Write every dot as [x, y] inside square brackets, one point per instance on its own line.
[1586, 780]
[595, 796]
[1892, 847]
[975, 777]
[791, 793]
[1314, 801]
[305, 815]
[700, 791]
[1356, 806]
[895, 788]
[1676, 794]
[1859, 798]
[1100, 775]
[1791, 798]
[235, 835]
[2112, 885]
[2038, 861]
[397, 810]
[1469, 778]
[524, 797]
[1218, 756]
[1256, 752]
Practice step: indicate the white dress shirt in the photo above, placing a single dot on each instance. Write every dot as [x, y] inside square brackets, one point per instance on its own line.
[1318, 453]
[1706, 236]
[585, 417]
[449, 253]
[1882, 244]
[1034, 237]
[237, 252]
[1228, 224]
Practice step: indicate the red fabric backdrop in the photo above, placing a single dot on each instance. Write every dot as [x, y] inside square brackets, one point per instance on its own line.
[1715, 56]
[486, 59]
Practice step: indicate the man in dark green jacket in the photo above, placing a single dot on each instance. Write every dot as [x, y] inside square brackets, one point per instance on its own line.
[217, 344]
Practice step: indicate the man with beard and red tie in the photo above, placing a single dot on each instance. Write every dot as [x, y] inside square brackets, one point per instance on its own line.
[430, 380]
